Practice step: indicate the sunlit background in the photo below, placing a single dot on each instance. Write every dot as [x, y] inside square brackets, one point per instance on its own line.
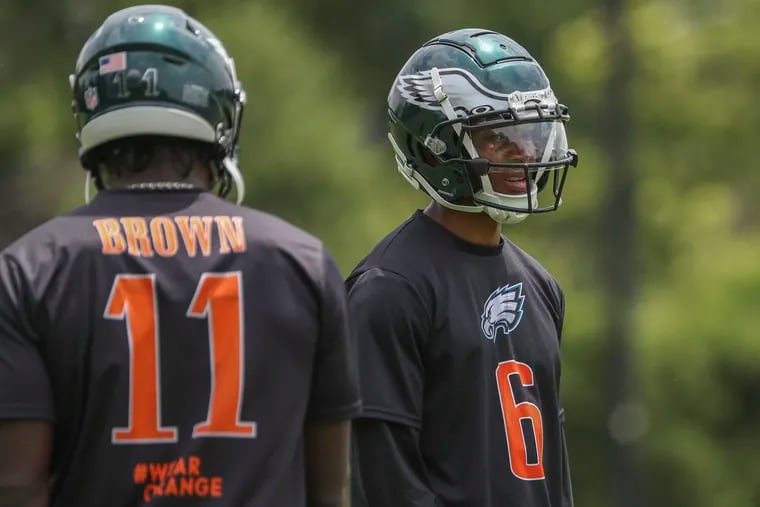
[657, 246]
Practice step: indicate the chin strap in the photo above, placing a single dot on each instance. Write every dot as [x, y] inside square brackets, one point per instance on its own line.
[448, 110]
[87, 186]
[232, 169]
[500, 216]
[547, 150]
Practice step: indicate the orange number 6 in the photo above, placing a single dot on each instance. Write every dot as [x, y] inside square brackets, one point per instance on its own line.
[217, 299]
[514, 414]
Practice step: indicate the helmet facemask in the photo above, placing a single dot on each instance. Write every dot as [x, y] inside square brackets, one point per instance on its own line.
[510, 153]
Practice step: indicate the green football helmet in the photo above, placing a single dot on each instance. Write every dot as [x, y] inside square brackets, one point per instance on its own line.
[475, 124]
[152, 70]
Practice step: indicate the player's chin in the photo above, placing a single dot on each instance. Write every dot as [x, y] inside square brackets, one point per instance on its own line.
[512, 188]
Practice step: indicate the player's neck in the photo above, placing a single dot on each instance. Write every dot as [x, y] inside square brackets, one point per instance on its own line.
[475, 228]
[163, 173]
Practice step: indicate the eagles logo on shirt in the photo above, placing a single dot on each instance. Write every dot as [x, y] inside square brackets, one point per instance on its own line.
[502, 310]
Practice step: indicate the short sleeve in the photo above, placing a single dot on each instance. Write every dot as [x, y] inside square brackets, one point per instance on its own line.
[390, 324]
[560, 312]
[335, 391]
[25, 391]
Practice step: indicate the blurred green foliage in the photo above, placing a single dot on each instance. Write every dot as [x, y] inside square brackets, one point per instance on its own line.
[314, 151]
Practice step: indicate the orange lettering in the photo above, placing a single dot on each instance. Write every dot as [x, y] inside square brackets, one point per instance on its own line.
[136, 231]
[231, 234]
[201, 486]
[140, 473]
[216, 486]
[178, 467]
[149, 491]
[186, 486]
[179, 478]
[170, 488]
[110, 236]
[194, 465]
[158, 471]
[164, 236]
[194, 231]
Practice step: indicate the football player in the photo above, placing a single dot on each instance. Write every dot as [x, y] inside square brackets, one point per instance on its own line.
[161, 345]
[458, 329]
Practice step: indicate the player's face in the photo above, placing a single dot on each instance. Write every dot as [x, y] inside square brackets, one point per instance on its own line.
[513, 144]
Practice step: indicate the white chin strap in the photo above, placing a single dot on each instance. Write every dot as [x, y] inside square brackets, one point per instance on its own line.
[232, 169]
[448, 110]
[87, 186]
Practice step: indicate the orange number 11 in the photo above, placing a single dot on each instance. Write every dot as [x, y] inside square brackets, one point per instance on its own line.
[217, 299]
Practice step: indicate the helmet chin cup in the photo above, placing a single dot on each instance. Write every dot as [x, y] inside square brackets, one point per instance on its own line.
[504, 217]
[489, 199]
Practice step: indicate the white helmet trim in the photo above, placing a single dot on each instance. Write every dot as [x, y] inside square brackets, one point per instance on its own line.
[144, 120]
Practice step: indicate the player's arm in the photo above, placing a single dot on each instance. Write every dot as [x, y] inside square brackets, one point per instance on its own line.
[334, 398]
[25, 448]
[390, 323]
[567, 488]
[326, 447]
[26, 408]
[387, 467]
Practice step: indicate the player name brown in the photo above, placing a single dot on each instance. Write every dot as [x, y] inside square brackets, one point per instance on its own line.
[165, 236]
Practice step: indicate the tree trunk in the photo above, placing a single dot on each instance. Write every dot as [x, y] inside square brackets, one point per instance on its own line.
[618, 265]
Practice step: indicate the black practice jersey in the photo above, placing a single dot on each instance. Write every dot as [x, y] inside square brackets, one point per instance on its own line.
[461, 342]
[179, 343]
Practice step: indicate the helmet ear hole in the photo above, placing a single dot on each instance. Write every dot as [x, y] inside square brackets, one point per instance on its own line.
[426, 155]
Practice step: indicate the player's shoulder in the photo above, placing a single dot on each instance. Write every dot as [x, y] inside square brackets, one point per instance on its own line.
[271, 231]
[37, 253]
[261, 228]
[276, 241]
[533, 271]
[526, 261]
[400, 253]
[397, 270]
[41, 238]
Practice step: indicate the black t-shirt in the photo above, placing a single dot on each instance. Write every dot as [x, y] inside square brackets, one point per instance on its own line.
[461, 342]
[179, 343]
